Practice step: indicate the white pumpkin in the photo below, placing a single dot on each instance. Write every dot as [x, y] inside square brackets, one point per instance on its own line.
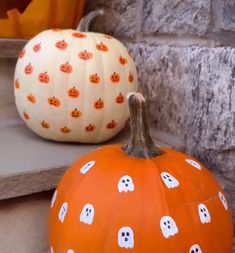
[72, 85]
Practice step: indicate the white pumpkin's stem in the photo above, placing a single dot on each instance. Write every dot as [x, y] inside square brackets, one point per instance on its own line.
[140, 144]
[84, 24]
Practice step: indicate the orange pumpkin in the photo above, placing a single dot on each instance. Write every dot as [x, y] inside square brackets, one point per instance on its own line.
[17, 16]
[45, 124]
[73, 92]
[75, 113]
[31, 98]
[139, 198]
[54, 101]
[99, 104]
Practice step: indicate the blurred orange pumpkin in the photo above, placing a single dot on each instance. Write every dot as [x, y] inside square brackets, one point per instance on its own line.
[26, 18]
[139, 198]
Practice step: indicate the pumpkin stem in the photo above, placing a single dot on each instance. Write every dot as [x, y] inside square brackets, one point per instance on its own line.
[84, 24]
[140, 144]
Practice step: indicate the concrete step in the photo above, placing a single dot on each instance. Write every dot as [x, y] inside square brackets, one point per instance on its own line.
[23, 224]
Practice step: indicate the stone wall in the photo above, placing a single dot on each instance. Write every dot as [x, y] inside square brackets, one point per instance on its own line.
[184, 51]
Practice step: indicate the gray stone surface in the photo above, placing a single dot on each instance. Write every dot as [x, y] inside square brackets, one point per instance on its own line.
[31, 164]
[228, 15]
[10, 48]
[119, 18]
[176, 16]
[190, 94]
[24, 224]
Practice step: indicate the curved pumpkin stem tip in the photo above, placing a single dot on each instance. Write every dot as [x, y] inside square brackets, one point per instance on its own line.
[140, 144]
[84, 24]
[137, 95]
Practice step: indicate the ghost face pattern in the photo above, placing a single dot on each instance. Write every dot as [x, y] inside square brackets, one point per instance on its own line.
[204, 214]
[70, 251]
[168, 226]
[169, 180]
[126, 238]
[195, 249]
[86, 167]
[223, 200]
[125, 184]
[53, 198]
[87, 214]
[63, 211]
[194, 164]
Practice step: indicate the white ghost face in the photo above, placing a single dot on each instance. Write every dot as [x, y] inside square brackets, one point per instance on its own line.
[195, 249]
[86, 167]
[204, 214]
[70, 251]
[87, 214]
[194, 164]
[168, 226]
[125, 184]
[53, 198]
[169, 180]
[126, 238]
[63, 211]
[223, 200]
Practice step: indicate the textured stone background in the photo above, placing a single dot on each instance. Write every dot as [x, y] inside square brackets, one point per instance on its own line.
[184, 51]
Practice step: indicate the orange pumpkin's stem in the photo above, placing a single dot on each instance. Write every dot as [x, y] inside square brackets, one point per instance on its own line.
[140, 144]
[84, 24]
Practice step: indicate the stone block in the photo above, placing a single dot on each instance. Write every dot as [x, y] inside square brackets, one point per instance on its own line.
[176, 17]
[228, 15]
[119, 17]
[24, 224]
[190, 94]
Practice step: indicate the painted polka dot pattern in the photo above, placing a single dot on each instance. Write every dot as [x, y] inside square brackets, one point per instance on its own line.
[102, 199]
[74, 80]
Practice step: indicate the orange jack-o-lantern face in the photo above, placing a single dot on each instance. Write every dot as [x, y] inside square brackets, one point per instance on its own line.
[28, 69]
[122, 60]
[90, 128]
[94, 78]
[17, 84]
[26, 115]
[73, 92]
[31, 98]
[75, 113]
[43, 77]
[111, 125]
[61, 44]
[66, 68]
[22, 53]
[45, 124]
[99, 104]
[65, 130]
[79, 35]
[130, 77]
[115, 78]
[102, 47]
[120, 98]
[54, 101]
[37, 48]
[85, 55]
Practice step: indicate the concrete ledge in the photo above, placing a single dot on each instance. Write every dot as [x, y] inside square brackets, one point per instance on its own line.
[10, 48]
[24, 223]
[30, 164]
